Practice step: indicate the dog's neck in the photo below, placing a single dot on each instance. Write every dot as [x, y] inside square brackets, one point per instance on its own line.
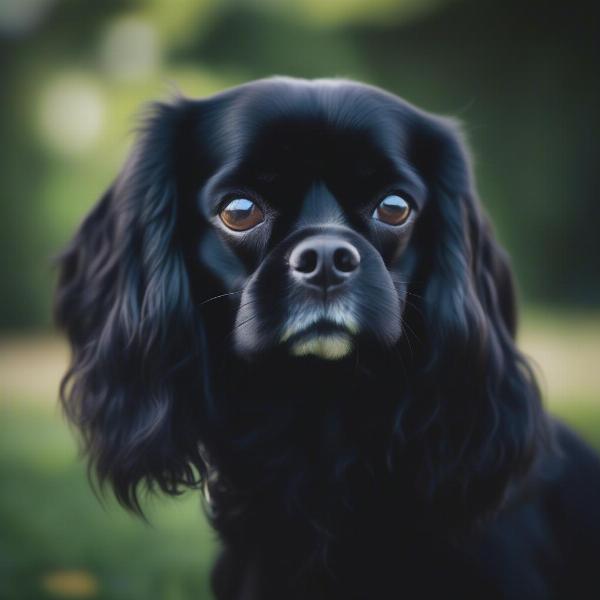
[310, 442]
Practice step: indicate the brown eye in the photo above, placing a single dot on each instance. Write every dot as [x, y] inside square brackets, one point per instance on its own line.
[393, 210]
[241, 214]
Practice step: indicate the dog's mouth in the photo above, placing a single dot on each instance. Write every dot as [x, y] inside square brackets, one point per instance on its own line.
[324, 340]
[326, 336]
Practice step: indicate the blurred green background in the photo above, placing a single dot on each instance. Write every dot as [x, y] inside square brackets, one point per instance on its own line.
[522, 76]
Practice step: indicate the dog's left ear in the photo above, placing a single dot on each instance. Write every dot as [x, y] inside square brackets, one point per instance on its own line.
[137, 378]
[487, 422]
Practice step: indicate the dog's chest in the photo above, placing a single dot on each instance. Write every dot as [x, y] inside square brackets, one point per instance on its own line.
[376, 555]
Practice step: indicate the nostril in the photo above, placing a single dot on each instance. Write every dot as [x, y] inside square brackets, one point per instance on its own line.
[324, 261]
[305, 261]
[346, 259]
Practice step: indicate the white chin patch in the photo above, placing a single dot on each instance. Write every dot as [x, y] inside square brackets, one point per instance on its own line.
[328, 346]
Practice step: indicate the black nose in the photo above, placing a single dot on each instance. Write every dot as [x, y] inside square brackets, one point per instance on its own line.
[324, 261]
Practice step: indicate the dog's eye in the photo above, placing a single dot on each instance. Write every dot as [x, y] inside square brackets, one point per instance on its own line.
[241, 214]
[393, 210]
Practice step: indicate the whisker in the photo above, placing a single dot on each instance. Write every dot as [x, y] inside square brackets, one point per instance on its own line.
[409, 293]
[415, 307]
[238, 325]
[248, 303]
[220, 296]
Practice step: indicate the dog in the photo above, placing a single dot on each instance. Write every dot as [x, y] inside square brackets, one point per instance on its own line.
[292, 299]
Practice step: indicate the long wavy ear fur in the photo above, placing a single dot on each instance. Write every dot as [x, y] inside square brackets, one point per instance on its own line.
[123, 298]
[480, 420]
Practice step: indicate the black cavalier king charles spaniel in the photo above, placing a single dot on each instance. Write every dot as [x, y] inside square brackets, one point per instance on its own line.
[290, 296]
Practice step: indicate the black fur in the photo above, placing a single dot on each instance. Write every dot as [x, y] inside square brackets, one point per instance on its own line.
[422, 463]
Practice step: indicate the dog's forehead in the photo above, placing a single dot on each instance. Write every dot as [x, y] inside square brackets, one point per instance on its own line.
[309, 124]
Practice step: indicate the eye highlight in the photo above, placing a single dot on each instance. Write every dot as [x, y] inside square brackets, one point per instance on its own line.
[241, 214]
[393, 210]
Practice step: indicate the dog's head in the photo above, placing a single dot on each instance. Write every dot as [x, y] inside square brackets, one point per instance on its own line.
[310, 208]
[302, 224]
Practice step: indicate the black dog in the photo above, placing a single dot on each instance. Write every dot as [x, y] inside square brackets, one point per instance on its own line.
[291, 297]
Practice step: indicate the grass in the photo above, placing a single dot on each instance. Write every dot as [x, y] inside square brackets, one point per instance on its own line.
[58, 541]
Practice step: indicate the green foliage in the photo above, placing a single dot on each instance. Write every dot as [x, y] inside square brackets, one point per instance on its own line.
[52, 524]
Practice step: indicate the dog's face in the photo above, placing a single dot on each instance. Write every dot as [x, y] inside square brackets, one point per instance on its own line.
[311, 207]
[299, 225]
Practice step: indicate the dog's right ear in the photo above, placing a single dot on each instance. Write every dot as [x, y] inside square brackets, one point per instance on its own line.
[135, 385]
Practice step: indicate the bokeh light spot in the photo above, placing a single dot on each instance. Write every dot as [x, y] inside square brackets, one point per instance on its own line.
[130, 49]
[71, 113]
[70, 584]
[19, 17]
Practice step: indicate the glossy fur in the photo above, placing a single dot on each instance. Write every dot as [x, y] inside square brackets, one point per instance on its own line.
[413, 461]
